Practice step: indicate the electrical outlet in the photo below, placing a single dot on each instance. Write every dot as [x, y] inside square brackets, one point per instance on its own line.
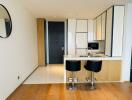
[18, 77]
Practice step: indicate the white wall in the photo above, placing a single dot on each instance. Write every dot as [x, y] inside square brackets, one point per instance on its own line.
[18, 53]
[127, 43]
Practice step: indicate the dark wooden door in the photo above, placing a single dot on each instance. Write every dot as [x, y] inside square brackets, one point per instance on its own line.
[56, 42]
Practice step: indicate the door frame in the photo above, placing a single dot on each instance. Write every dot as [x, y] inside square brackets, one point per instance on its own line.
[47, 37]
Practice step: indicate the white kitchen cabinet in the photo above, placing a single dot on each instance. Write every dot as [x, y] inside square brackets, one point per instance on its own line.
[114, 31]
[108, 32]
[99, 31]
[82, 25]
[81, 41]
[94, 29]
[90, 30]
[103, 25]
[81, 36]
[100, 27]
[71, 36]
[118, 30]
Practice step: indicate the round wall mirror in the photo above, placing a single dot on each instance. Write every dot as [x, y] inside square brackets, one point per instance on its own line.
[5, 22]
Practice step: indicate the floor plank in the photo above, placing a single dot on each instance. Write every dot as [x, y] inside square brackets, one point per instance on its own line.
[104, 91]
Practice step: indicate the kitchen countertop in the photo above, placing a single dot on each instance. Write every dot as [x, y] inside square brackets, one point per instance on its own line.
[95, 57]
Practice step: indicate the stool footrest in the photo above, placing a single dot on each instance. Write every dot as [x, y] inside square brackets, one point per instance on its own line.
[70, 79]
[88, 79]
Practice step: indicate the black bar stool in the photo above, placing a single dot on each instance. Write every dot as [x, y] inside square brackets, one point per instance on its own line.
[93, 66]
[73, 66]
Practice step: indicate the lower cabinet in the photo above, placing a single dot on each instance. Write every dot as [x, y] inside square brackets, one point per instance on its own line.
[111, 71]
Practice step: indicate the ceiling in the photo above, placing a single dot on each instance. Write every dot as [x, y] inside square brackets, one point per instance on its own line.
[62, 9]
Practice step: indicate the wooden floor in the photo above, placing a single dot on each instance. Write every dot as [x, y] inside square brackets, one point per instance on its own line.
[104, 91]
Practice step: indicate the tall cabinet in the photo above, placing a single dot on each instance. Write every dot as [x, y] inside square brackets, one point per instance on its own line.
[77, 36]
[114, 31]
[41, 42]
[71, 36]
[81, 37]
[109, 24]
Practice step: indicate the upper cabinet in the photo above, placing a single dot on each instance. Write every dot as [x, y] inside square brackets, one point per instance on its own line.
[90, 30]
[99, 27]
[98, 32]
[108, 41]
[103, 25]
[94, 29]
[82, 25]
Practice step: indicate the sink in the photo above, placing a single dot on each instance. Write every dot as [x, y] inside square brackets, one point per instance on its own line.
[83, 56]
[96, 56]
[93, 55]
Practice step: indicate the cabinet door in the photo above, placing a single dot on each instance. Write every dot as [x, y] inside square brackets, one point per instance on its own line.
[71, 36]
[90, 30]
[99, 33]
[94, 29]
[111, 71]
[118, 30]
[108, 32]
[41, 42]
[103, 25]
[82, 26]
[81, 41]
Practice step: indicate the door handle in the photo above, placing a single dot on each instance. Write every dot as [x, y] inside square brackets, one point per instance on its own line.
[62, 48]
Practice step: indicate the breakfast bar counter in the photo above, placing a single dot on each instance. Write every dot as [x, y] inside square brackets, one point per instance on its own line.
[85, 58]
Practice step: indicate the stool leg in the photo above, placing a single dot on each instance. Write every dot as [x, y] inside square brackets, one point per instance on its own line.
[88, 78]
[72, 84]
[92, 81]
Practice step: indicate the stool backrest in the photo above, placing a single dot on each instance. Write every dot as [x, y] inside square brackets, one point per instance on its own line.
[73, 65]
[94, 65]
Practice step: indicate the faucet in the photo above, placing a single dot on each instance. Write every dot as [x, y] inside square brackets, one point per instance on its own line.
[90, 53]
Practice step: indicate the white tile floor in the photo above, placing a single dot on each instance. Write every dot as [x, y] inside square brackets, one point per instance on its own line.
[50, 74]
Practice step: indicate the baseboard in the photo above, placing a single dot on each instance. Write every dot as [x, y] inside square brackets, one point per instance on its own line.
[23, 81]
[30, 74]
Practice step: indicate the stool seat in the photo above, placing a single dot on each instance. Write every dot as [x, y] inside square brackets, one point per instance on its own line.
[93, 65]
[73, 65]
